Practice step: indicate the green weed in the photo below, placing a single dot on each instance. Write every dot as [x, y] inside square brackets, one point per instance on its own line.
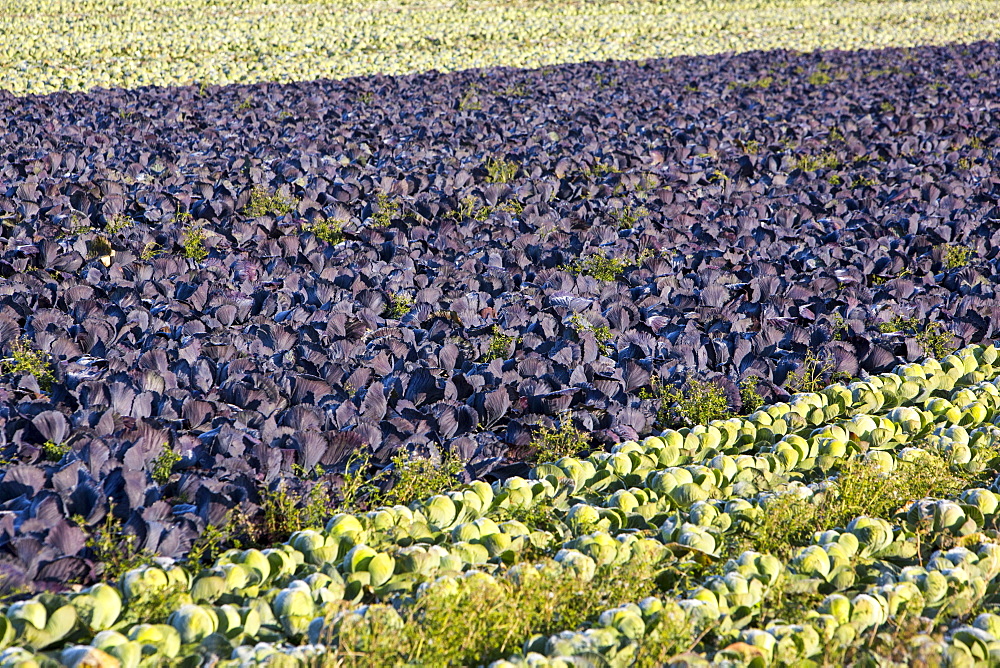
[500, 346]
[697, 402]
[934, 340]
[418, 478]
[955, 256]
[599, 169]
[193, 243]
[163, 465]
[150, 250]
[475, 624]
[810, 163]
[118, 223]
[860, 488]
[469, 207]
[113, 549]
[718, 176]
[153, 605]
[516, 90]
[785, 603]
[356, 485]
[811, 375]
[883, 71]
[600, 267]
[386, 210]
[899, 324]
[761, 83]
[750, 398]
[328, 231]
[212, 541]
[284, 514]
[262, 203]
[499, 170]
[53, 452]
[551, 445]
[819, 78]
[602, 333]
[838, 327]
[400, 305]
[25, 358]
[470, 99]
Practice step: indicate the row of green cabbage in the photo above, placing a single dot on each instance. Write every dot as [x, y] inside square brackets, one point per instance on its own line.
[955, 577]
[255, 595]
[867, 550]
[836, 623]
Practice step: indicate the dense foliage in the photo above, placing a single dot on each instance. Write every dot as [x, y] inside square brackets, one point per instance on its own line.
[689, 516]
[51, 45]
[675, 362]
[207, 309]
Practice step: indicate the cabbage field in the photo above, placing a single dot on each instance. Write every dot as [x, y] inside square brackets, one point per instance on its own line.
[52, 45]
[685, 361]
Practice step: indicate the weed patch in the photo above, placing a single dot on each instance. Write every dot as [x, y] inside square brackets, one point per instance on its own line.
[419, 478]
[193, 243]
[499, 170]
[25, 358]
[934, 340]
[153, 605]
[328, 231]
[398, 306]
[263, 203]
[819, 78]
[163, 465]
[955, 256]
[861, 488]
[550, 445]
[811, 163]
[384, 212]
[283, 514]
[475, 623]
[118, 223]
[500, 346]
[113, 548]
[697, 402]
[600, 267]
[811, 376]
[750, 398]
[53, 452]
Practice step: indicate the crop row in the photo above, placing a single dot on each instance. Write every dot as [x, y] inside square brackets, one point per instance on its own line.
[671, 498]
[208, 296]
[145, 43]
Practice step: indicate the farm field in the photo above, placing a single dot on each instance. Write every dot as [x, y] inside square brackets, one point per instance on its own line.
[665, 361]
[50, 45]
